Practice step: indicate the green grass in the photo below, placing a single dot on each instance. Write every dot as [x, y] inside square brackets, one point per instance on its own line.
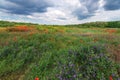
[52, 52]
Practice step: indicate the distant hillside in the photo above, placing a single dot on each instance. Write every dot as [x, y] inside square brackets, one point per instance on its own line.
[112, 24]
[11, 24]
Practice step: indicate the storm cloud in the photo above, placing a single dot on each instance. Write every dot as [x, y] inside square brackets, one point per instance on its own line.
[87, 9]
[25, 7]
[59, 11]
[112, 4]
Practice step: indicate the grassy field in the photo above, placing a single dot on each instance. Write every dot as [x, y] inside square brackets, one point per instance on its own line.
[59, 53]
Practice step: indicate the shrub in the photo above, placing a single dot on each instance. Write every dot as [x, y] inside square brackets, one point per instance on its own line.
[87, 63]
[19, 29]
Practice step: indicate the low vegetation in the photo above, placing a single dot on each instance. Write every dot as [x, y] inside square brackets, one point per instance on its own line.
[51, 52]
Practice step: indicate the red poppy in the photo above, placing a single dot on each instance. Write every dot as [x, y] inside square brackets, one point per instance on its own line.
[111, 31]
[36, 78]
[110, 78]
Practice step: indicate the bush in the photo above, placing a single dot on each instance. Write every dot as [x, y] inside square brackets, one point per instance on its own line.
[19, 29]
[87, 63]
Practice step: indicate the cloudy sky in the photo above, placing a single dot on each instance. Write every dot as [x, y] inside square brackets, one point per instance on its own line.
[59, 11]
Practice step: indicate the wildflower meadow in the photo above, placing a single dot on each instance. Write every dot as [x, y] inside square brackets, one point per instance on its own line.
[88, 51]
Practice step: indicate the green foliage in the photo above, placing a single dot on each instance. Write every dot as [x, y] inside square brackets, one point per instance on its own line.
[12, 24]
[112, 24]
[115, 24]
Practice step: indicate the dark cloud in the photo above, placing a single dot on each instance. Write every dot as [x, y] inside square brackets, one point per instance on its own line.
[112, 4]
[91, 5]
[87, 10]
[81, 13]
[25, 7]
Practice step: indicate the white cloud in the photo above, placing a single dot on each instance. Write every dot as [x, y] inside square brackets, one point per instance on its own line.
[63, 12]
